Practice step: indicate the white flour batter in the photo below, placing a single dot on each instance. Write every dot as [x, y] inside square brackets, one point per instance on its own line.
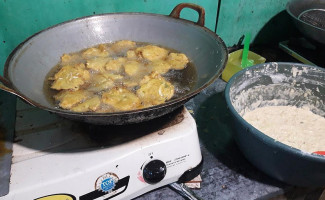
[296, 127]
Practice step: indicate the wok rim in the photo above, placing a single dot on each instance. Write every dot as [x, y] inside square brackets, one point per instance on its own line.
[176, 101]
[297, 19]
[262, 137]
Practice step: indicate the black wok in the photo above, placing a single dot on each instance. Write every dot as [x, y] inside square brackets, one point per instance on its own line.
[27, 66]
[309, 18]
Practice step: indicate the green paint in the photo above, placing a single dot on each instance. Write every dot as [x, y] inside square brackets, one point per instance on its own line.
[21, 19]
[266, 20]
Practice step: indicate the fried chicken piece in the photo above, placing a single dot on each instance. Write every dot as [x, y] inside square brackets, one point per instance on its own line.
[79, 66]
[99, 51]
[154, 90]
[69, 59]
[177, 61]
[121, 99]
[102, 47]
[123, 45]
[130, 83]
[97, 63]
[160, 66]
[91, 104]
[68, 98]
[133, 67]
[99, 82]
[112, 76]
[131, 55]
[151, 52]
[115, 64]
[70, 77]
[147, 78]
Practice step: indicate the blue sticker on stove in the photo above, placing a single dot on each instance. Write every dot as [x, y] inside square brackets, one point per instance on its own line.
[107, 184]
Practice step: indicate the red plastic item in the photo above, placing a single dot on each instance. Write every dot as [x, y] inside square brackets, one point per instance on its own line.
[320, 152]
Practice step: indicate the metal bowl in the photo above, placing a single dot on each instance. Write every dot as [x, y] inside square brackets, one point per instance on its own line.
[274, 158]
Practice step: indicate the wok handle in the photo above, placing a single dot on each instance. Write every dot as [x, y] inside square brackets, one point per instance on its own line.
[177, 11]
[4, 85]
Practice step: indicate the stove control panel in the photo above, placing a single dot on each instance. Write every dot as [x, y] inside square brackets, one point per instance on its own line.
[154, 171]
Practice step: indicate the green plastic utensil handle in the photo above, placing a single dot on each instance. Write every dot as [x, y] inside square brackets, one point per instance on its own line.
[244, 62]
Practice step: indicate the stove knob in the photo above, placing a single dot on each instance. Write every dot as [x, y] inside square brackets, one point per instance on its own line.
[154, 171]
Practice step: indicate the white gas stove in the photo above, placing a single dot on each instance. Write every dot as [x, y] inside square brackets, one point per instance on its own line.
[57, 159]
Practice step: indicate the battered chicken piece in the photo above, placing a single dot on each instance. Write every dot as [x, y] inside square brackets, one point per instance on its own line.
[133, 67]
[122, 45]
[91, 104]
[115, 64]
[130, 83]
[70, 77]
[99, 82]
[160, 66]
[177, 61]
[151, 52]
[115, 77]
[102, 47]
[99, 51]
[69, 59]
[69, 98]
[112, 76]
[131, 54]
[80, 66]
[97, 63]
[147, 78]
[154, 90]
[121, 99]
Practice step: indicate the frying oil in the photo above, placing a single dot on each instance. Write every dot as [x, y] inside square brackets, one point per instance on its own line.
[183, 80]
